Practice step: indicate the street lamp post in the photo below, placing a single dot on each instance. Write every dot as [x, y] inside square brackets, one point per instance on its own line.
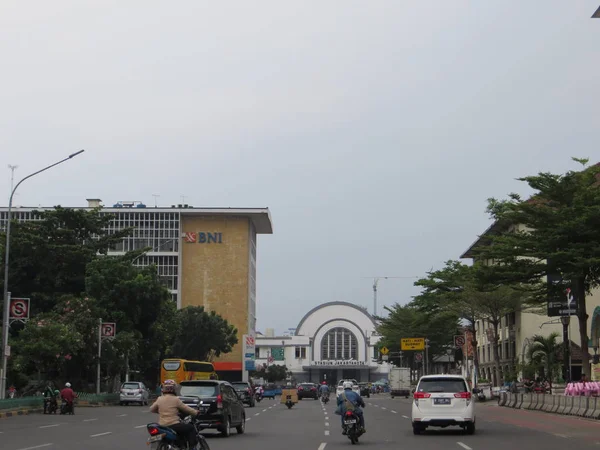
[6, 310]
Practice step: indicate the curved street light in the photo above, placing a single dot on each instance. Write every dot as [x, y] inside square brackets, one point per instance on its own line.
[6, 312]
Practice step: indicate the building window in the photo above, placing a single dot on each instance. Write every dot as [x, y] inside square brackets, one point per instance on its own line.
[339, 344]
[257, 352]
[300, 352]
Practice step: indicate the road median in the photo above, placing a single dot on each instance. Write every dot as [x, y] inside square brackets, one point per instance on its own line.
[578, 406]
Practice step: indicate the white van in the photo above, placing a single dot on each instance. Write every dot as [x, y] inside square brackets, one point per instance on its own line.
[442, 401]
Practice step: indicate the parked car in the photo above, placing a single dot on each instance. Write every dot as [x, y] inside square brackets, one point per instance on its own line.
[134, 392]
[219, 404]
[308, 390]
[365, 390]
[246, 392]
[442, 401]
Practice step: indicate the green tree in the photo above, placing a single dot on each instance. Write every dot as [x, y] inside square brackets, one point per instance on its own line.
[49, 256]
[201, 335]
[45, 343]
[141, 306]
[543, 352]
[276, 372]
[559, 235]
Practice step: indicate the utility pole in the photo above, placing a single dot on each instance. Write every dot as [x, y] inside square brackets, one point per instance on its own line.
[376, 282]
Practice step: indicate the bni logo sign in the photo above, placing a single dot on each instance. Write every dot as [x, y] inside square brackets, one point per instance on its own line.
[203, 237]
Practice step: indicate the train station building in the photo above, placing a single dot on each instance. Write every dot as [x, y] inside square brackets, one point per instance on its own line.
[333, 341]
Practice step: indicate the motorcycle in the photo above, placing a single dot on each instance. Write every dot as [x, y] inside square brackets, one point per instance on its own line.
[164, 438]
[288, 401]
[352, 426]
[50, 406]
[258, 396]
[325, 398]
[67, 408]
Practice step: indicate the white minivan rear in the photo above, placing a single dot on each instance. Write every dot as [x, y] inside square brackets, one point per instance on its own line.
[442, 401]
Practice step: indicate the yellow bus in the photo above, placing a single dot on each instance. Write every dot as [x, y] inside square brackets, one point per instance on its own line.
[183, 369]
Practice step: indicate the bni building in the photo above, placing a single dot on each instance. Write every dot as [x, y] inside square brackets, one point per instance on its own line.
[205, 257]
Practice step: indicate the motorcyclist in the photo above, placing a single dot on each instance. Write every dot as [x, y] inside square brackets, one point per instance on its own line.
[168, 406]
[324, 389]
[351, 401]
[68, 395]
[259, 391]
[50, 396]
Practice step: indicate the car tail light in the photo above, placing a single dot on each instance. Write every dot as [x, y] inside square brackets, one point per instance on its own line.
[219, 401]
[300, 388]
[419, 395]
[466, 395]
[313, 389]
[153, 431]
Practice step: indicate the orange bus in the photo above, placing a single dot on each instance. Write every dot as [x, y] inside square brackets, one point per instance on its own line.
[183, 369]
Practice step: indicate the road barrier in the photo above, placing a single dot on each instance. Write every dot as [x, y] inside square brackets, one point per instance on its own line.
[580, 406]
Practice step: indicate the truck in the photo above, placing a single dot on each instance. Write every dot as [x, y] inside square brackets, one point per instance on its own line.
[399, 382]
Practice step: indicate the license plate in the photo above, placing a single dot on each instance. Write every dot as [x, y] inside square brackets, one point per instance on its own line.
[203, 409]
[441, 401]
[156, 438]
[349, 422]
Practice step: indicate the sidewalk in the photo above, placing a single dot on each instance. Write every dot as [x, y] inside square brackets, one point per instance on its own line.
[559, 425]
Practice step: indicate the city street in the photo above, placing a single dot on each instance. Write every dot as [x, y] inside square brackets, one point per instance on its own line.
[271, 426]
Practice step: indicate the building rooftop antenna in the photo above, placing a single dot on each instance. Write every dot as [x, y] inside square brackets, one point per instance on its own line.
[155, 201]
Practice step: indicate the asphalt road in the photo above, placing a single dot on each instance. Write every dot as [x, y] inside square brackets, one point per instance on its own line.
[307, 426]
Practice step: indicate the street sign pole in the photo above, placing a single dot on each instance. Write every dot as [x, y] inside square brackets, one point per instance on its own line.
[99, 355]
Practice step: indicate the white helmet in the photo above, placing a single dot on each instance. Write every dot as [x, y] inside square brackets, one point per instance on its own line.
[67, 384]
[347, 384]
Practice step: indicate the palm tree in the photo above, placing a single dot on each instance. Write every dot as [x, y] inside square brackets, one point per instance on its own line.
[542, 352]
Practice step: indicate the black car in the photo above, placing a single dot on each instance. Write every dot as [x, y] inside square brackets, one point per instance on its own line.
[220, 406]
[246, 392]
[308, 390]
[365, 390]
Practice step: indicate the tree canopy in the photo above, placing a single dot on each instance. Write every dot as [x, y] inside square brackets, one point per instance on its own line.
[554, 233]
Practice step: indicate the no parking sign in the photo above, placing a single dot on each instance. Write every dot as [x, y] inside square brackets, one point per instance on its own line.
[108, 330]
[19, 309]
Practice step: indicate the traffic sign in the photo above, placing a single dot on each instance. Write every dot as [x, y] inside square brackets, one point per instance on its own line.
[384, 350]
[108, 330]
[19, 309]
[412, 344]
[459, 340]
[385, 357]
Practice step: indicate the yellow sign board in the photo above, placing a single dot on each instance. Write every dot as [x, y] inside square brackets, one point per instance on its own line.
[384, 350]
[412, 344]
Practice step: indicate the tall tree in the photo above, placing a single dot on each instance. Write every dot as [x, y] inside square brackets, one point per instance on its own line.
[48, 257]
[201, 335]
[443, 291]
[558, 234]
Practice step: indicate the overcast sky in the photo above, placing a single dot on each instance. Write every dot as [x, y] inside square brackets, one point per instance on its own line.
[374, 131]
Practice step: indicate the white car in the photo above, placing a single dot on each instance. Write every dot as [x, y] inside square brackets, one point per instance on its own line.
[442, 401]
[340, 387]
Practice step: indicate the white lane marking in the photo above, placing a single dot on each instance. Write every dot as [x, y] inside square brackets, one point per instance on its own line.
[101, 434]
[326, 424]
[121, 415]
[140, 426]
[248, 419]
[376, 406]
[326, 417]
[326, 432]
[466, 447]
[50, 426]
[257, 414]
[395, 412]
[37, 446]
[264, 410]
[322, 446]
[406, 417]
[561, 435]
[89, 420]
[383, 407]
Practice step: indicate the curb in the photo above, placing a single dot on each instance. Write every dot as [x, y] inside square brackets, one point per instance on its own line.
[19, 412]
